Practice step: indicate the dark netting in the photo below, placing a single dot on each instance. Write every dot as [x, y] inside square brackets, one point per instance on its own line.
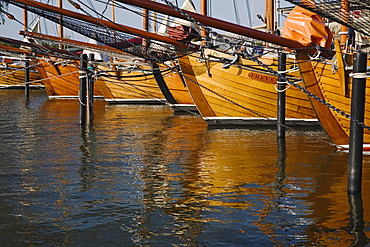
[38, 49]
[355, 15]
[81, 45]
[134, 45]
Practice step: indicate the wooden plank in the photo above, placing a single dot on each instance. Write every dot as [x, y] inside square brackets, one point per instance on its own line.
[236, 85]
[194, 89]
[328, 121]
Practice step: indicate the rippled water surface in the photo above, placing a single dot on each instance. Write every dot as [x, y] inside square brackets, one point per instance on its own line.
[144, 176]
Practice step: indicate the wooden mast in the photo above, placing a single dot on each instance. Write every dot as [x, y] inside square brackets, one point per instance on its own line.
[113, 13]
[145, 27]
[344, 6]
[60, 27]
[155, 21]
[204, 11]
[25, 20]
[270, 15]
[145, 19]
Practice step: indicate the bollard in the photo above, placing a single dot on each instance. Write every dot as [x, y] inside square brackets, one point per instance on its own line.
[357, 131]
[281, 97]
[82, 94]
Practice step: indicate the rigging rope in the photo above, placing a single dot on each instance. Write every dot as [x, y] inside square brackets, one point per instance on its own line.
[283, 77]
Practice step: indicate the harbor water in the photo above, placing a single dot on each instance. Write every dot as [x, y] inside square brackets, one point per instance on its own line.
[143, 176]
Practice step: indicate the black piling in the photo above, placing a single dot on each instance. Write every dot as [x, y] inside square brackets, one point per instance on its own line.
[82, 94]
[356, 130]
[27, 78]
[281, 97]
[90, 86]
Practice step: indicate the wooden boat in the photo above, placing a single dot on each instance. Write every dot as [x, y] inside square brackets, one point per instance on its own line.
[13, 59]
[240, 93]
[12, 66]
[128, 79]
[244, 94]
[173, 87]
[179, 45]
[138, 81]
[129, 83]
[171, 83]
[12, 74]
[61, 77]
[329, 79]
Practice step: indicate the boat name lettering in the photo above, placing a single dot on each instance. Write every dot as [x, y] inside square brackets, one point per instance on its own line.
[264, 78]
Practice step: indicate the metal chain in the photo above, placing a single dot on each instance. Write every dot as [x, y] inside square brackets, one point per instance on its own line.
[143, 92]
[223, 97]
[255, 59]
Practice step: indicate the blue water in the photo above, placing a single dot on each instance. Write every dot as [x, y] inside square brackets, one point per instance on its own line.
[143, 176]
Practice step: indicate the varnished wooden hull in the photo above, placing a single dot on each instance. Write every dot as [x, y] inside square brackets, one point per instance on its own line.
[173, 87]
[244, 94]
[129, 86]
[324, 82]
[61, 78]
[14, 77]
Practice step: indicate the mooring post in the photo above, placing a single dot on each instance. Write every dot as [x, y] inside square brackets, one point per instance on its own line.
[26, 77]
[90, 84]
[82, 94]
[281, 97]
[356, 130]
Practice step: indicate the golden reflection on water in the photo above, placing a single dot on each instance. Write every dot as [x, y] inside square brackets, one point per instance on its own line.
[162, 178]
[231, 169]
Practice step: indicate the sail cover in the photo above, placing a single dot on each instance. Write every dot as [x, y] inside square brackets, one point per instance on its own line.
[307, 28]
[351, 13]
[183, 30]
